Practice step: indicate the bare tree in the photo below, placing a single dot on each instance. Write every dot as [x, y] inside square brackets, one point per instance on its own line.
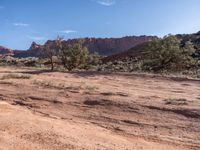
[51, 50]
[49, 53]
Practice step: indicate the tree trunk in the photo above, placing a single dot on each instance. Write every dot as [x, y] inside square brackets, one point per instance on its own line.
[52, 65]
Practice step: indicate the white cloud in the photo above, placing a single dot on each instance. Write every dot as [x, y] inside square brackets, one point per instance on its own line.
[68, 31]
[36, 38]
[106, 2]
[19, 24]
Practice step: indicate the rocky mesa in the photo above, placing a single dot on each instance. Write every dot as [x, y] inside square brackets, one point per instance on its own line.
[103, 46]
[5, 51]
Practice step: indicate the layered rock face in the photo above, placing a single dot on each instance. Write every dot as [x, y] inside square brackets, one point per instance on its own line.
[140, 49]
[34, 51]
[110, 46]
[132, 53]
[105, 47]
[5, 51]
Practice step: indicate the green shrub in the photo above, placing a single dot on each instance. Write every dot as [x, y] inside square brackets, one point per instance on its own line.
[168, 54]
[74, 56]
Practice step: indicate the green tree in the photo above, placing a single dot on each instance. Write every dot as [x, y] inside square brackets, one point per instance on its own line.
[168, 54]
[94, 59]
[74, 56]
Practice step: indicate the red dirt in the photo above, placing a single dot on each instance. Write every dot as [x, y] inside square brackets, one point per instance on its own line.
[54, 110]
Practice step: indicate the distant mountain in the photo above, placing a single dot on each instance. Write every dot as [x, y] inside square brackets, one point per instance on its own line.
[140, 49]
[35, 50]
[5, 51]
[103, 46]
[111, 47]
[134, 52]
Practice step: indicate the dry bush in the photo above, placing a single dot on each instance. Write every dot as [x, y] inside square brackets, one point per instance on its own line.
[15, 76]
[43, 83]
[107, 93]
[180, 101]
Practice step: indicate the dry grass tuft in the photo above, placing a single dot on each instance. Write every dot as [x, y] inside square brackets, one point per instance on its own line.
[179, 101]
[15, 76]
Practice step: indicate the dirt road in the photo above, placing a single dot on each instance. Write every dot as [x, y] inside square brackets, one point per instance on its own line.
[54, 110]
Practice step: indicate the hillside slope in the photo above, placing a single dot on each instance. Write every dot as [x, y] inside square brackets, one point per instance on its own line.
[134, 52]
[118, 47]
[139, 50]
[103, 46]
[5, 51]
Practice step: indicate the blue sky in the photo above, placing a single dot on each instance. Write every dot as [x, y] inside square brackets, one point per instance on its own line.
[24, 21]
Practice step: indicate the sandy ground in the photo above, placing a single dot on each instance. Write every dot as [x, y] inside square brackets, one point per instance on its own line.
[54, 110]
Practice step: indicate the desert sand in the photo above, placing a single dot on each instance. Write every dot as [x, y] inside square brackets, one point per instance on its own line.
[90, 110]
